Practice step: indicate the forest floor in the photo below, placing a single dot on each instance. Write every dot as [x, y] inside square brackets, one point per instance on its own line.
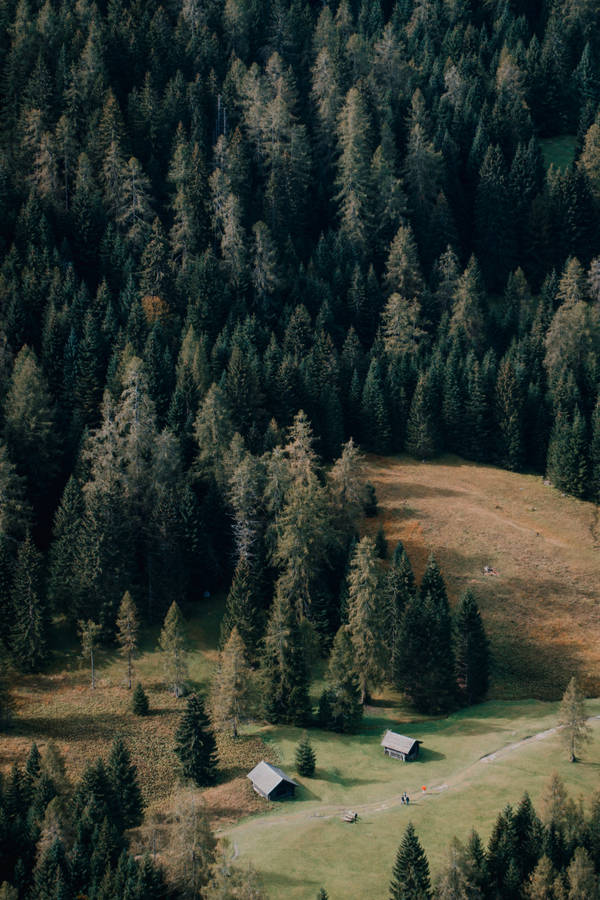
[542, 615]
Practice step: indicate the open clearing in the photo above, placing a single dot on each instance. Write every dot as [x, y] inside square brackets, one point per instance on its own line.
[542, 612]
[473, 763]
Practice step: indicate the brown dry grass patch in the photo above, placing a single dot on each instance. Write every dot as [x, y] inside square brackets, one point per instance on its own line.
[542, 612]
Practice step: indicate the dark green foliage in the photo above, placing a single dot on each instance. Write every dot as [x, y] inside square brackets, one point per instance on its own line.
[195, 744]
[370, 503]
[122, 776]
[381, 545]
[284, 667]
[139, 701]
[471, 648]
[305, 757]
[340, 705]
[410, 876]
[30, 624]
[426, 667]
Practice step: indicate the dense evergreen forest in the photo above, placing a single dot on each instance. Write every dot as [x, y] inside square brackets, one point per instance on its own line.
[214, 215]
[240, 240]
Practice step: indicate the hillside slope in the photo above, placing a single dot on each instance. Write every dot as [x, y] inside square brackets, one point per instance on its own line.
[542, 611]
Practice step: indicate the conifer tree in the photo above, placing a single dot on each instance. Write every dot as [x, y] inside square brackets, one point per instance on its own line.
[341, 708]
[572, 719]
[375, 418]
[284, 668]
[195, 744]
[305, 757]
[471, 650]
[230, 693]
[139, 701]
[173, 645]
[30, 629]
[410, 877]
[89, 635]
[127, 632]
[122, 775]
[364, 616]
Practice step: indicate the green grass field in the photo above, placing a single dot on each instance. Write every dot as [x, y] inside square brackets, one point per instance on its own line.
[540, 612]
[558, 151]
[301, 845]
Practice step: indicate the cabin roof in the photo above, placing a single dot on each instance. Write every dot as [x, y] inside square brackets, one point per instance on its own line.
[266, 777]
[398, 742]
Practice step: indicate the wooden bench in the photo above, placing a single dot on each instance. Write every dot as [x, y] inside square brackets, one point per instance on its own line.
[350, 817]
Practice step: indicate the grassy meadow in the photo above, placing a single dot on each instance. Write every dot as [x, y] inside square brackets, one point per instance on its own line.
[541, 612]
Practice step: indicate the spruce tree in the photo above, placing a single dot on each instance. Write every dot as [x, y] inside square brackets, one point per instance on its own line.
[305, 757]
[471, 650]
[410, 879]
[241, 607]
[122, 775]
[30, 625]
[195, 744]
[173, 645]
[284, 667]
[139, 701]
[341, 708]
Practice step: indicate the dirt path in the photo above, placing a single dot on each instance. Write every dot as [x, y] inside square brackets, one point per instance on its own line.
[331, 811]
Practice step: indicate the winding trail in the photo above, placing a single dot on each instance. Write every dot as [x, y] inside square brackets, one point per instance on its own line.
[335, 811]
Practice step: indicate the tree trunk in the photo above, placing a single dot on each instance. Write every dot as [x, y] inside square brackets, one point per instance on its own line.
[93, 676]
[129, 670]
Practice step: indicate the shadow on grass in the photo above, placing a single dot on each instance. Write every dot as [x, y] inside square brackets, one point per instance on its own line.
[279, 882]
[75, 727]
[335, 777]
[304, 793]
[426, 755]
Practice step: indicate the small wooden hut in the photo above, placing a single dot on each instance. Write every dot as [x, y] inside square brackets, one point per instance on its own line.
[400, 747]
[271, 783]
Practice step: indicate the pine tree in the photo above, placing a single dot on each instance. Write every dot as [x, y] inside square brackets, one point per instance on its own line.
[284, 667]
[230, 693]
[195, 744]
[139, 701]
[173, 645]
[410, 879]
[89, 635]
[127, 632]
[305, 757]
[572, 719]
[398, 589]
[122, 775]
[471, 650]
[30, 629]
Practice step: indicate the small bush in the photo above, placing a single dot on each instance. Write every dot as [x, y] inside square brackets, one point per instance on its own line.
[140, 703]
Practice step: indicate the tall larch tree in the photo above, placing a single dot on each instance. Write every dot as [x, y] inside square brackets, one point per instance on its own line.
[127, 632]
[364, 616]
[173, 646]
[231, 688]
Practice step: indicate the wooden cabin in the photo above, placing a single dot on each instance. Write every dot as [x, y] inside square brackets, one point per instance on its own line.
[271, 783]
[400, 747]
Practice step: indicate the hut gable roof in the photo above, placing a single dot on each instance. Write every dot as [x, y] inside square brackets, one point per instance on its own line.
[398, 742]
[266, 777]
